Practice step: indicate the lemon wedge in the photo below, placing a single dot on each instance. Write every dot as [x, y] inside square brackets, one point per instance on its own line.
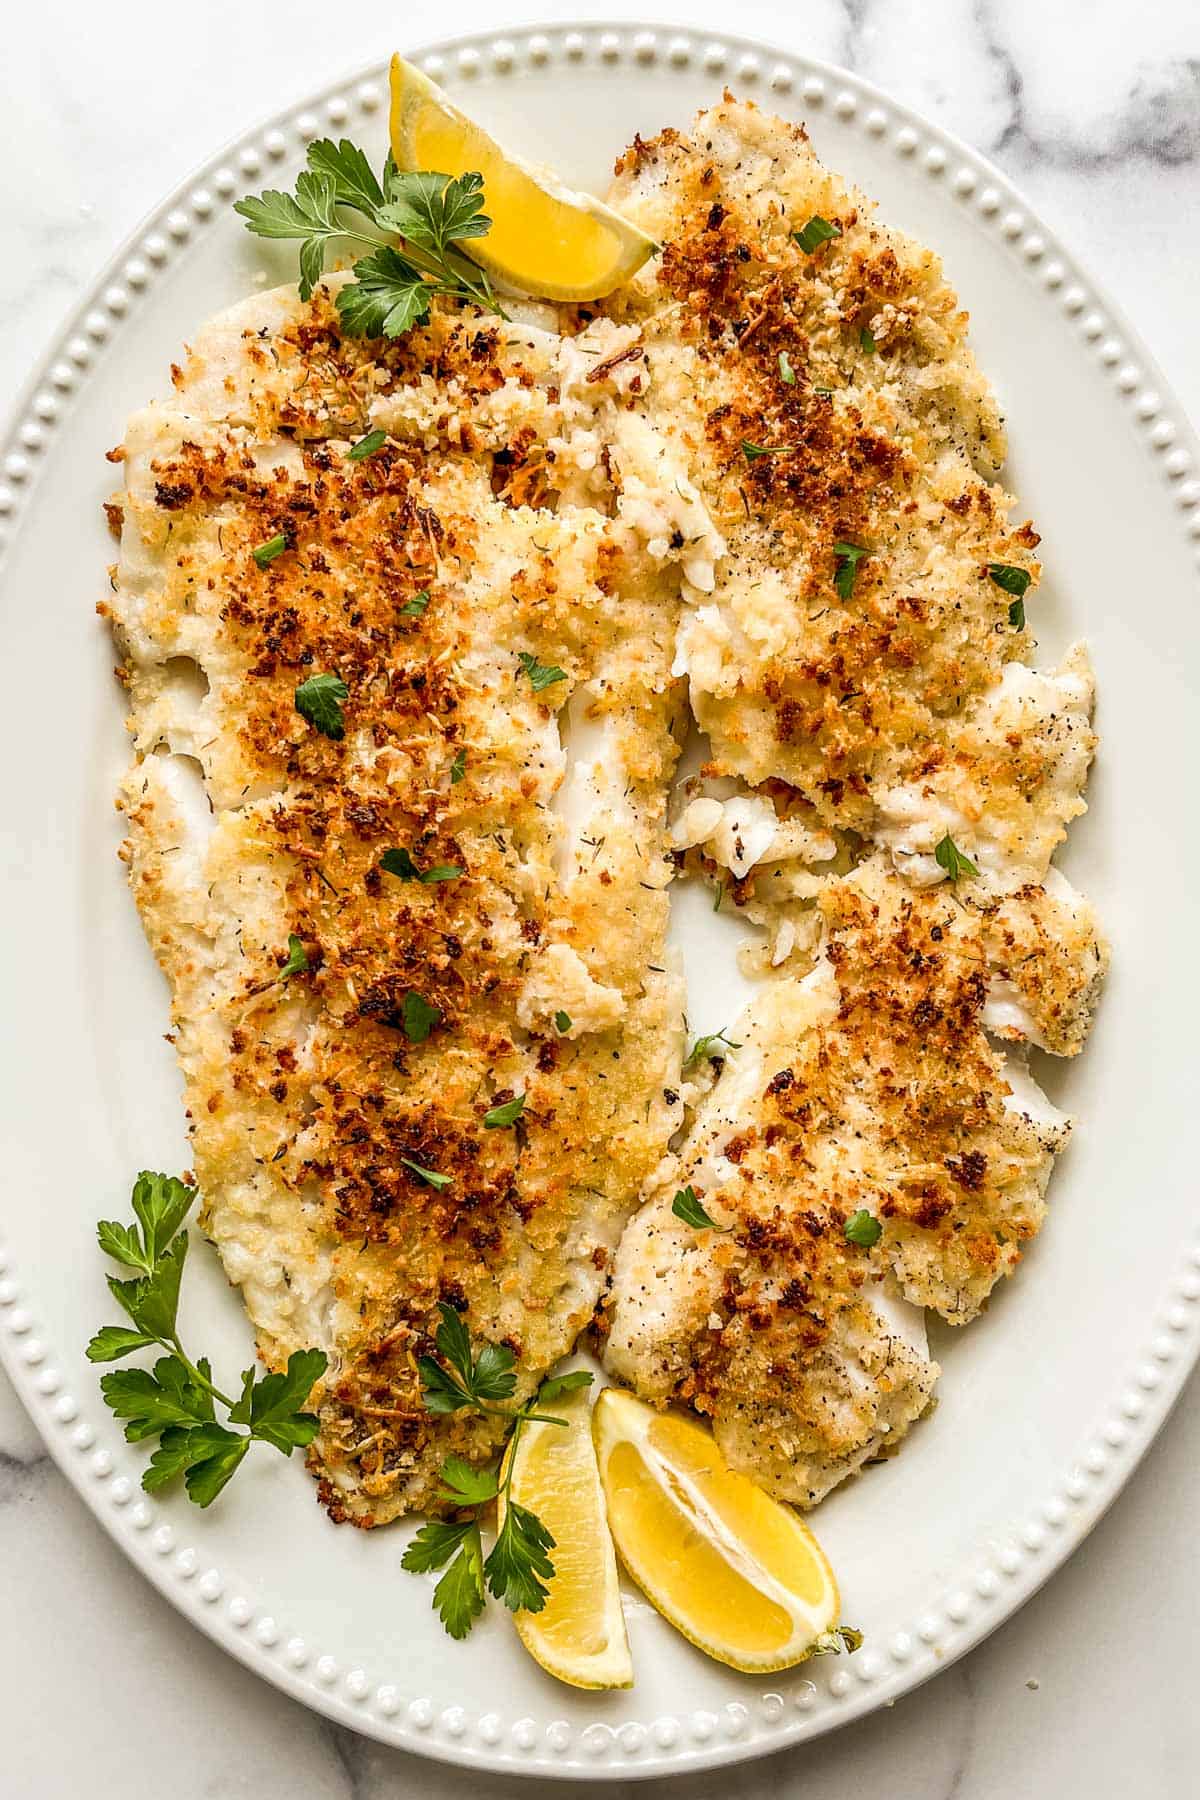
[732, 1569]
[545, 239]
[579, 1635]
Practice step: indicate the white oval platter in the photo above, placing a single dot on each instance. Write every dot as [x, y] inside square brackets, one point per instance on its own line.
[1048, 1402]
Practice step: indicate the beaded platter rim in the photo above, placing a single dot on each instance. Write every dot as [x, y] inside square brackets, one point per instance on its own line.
[1000, 1580]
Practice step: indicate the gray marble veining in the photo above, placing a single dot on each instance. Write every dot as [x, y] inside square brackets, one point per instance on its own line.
[1094, 107]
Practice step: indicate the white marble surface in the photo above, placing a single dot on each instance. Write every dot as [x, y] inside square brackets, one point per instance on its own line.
[1093, 106]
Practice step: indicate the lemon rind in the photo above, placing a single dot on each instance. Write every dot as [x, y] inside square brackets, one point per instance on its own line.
[614, 1670]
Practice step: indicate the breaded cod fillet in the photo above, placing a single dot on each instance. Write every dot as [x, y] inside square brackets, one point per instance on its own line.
[854, 661]
[868, 1084]
[811, 369]
[337, 1112]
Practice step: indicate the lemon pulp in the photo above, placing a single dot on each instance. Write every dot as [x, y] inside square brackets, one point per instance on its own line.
[733, 1570]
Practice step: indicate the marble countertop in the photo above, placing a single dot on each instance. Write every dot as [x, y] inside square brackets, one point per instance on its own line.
[1094, 109]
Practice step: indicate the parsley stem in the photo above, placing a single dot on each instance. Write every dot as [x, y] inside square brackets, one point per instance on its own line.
[200, 1379]
[498, 1412]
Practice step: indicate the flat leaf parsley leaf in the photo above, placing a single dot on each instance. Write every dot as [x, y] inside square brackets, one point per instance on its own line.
[400, 862]
[541, 675]
[175, 1401]
[320, 700]
[297, 958]
[431, 1177]
[366, 446]
[420, 1016]
[498, 1117]
[816, 232]
[459, 1596]
[1014, 581]
[863, 1228]
[555, 1386]
[518, 1568]
[846, 560]
[948, 856]
[753, 452]
[685, 1206]
[265, 554]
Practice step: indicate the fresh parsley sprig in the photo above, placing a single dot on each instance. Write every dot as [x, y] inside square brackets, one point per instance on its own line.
[518, 1567]
[339, 199]
[176, 1400]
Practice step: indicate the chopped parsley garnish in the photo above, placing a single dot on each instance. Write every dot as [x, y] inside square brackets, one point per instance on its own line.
[420, 1017]
[948, 856]
[501, 1116]
[518, 1568]
[413, 609]
[847, 558]
[339, 200]
[562, 1022]
[786, 372]
[297, 958]
[831, 1643]
[320, 700]
[1014, 581]
[706, 1047]
[818, 231]
[863, 1229]
[541, 675]
[866, 339]
[366, 446]
[265, 554]
[429, 1176]
[458, 768]
[176, 1400]
[399, 862]
[685, 1206]
[752, 452]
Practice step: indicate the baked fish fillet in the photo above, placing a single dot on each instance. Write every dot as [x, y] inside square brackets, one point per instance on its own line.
[502, 648]
[824, 400]
[863, 683]
[869, 1083]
